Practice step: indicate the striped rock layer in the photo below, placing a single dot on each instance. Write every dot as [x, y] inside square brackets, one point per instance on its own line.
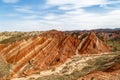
[48, 50]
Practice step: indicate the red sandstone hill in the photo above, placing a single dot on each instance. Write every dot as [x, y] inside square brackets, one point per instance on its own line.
[49, 49]
[91, 44]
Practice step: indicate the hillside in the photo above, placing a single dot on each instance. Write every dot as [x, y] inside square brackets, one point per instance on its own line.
[83, 67]
[32, 53]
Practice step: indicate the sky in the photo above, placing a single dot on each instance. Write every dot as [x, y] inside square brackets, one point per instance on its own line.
[38, 15]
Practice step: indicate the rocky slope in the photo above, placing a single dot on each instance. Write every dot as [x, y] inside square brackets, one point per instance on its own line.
[83, 67]
[37, 54]
[47, 50]
[92, 45]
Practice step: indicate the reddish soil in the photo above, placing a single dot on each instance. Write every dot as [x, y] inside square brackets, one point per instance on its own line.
[48, 50]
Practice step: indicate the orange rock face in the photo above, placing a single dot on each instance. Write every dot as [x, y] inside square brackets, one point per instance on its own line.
[92, 45]
[50, 49]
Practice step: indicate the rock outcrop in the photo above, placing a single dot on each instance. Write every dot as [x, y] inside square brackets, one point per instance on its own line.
[47, 50]
[92, 45]
[37, 54]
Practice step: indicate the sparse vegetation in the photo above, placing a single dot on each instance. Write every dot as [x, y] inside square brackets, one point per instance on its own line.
[114, 44]
[14, 38]
[10, 37]
[32, 78]
[4, 68]
[102, 62]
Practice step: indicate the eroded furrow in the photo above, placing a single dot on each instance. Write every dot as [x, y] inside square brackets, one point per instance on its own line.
[21, 47]
[25, 60]
[26, 50]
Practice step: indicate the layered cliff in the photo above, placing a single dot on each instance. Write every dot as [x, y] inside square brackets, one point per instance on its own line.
[37, 54]
[91, 44]
[47, 50]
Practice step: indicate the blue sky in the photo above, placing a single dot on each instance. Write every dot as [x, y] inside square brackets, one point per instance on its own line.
[35, 15]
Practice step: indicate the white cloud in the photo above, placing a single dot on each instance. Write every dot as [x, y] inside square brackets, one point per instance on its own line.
[24, 25]
[24, 9]
[74, 19]
[68, 21]
[30, 17]
[75, 3]
[10, 1]
[29, 25]
[76, 12]
[68, 7]
[50, 17]
[79, 19]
